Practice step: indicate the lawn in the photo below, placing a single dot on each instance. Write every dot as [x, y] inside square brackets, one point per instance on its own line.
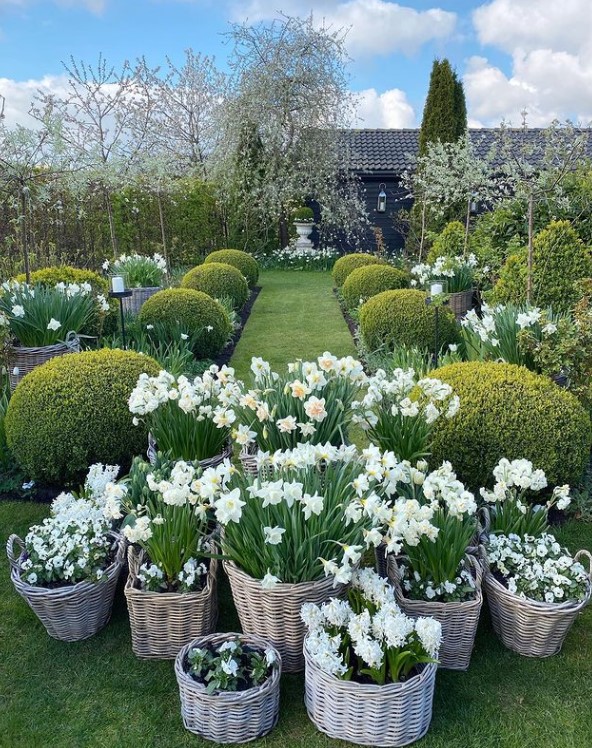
[97, 693]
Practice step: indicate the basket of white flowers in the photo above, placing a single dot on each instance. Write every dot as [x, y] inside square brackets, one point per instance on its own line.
[229, 686]
[535, 590]
[370, 669]
[67, 568]
[143, 275]
[171, 590]
[434, 575]
[294, 535]
[310, 402]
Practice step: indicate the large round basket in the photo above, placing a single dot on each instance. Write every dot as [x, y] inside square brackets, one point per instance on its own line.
[210, 462]
[74, 612]
[460, 303]
[164, 622]
[228, 716]
[22, 360]
[395, 714]
[274, 614]
[133, 303]
[459, 619]
[529, 627]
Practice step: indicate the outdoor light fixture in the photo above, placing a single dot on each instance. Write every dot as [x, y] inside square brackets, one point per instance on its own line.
[474, 206]
[381, 204]
[119, 291]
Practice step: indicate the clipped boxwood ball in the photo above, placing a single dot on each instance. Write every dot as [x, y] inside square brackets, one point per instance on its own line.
[72, 412]
[363, 283]
[348, 263]
[240, 260]
[218, 280]
[394, 318]
[507, 411]
[201, 316]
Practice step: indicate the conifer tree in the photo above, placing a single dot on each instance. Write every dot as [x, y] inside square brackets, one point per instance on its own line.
[445, 113]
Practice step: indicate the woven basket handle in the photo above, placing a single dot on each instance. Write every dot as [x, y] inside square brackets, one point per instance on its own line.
[588, 555]
[473, 561]
[484, 517]
[12, 557]
[134, 560]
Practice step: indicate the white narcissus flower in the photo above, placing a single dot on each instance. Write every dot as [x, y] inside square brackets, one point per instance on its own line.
[315, 408]
[269, 581]
[287, 424]
[18, 311]
[273, 535]
[229, 507]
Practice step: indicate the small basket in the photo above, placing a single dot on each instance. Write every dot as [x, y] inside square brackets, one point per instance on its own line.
[228, 716]
[74, 612]
[395, 714]
[22, 360]
[210, 462]
[163, 622]
[459, 619]
[529, 627]
[275, 614]
[460, 303]
[248, 459]
[132, 304]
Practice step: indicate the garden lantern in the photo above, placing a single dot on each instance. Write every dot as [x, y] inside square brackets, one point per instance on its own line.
[381, 204]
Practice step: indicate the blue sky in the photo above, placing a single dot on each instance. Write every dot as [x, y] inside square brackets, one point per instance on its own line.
[512, 54]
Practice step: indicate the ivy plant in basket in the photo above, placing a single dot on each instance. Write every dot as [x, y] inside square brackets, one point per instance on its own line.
[229, 687]
[68, 566]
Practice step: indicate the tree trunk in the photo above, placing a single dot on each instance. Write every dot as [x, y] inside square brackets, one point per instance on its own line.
[162, 227]
[23, 202]
[284, 233]
[530, 248]
[107, 198]
[467, 225]
[423, 228]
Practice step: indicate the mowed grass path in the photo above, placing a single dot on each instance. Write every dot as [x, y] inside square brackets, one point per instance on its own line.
[97, 694]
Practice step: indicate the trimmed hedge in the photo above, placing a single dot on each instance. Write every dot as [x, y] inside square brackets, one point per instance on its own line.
[348, 263]
[365, 282]
[72, 412]
[449, 243]
[507, 411]
[560, 260]
[218, 280]
[242, 261]
[394, 318]
[195, 311]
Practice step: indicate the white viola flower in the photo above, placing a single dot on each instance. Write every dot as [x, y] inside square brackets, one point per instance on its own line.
[269, 581]
[229, 507]
[315, 408]
[273, 535]
[230, 667]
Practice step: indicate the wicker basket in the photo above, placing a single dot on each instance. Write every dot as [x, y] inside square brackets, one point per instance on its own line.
[163, 622]
[210, 462]
[275, 614]
[69, 613]
[460, 303]
[228, 717]
[529, 627]
[395, 714]
[248, 459]
[22, 360]
[459, 619]
[133, 303]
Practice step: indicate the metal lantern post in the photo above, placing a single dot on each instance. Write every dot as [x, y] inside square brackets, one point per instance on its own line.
[119, 291]
[438, 289]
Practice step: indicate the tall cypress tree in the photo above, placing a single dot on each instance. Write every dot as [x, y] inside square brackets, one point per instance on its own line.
[445, 111]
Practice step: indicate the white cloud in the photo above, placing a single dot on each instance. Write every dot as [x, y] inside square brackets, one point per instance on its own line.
[20, 94]
[550, 45]
[95, 6]
[388, 109]
[376, 27]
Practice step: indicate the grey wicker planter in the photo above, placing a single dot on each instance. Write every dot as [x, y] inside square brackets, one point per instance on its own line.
[460, 303]
[22, 360]
[163, 622]
[529, 627]
[132, 304]
[210, 462]
[459, 619]
[228, 717]
[395, 714]
[74, 612]
[274, 614]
